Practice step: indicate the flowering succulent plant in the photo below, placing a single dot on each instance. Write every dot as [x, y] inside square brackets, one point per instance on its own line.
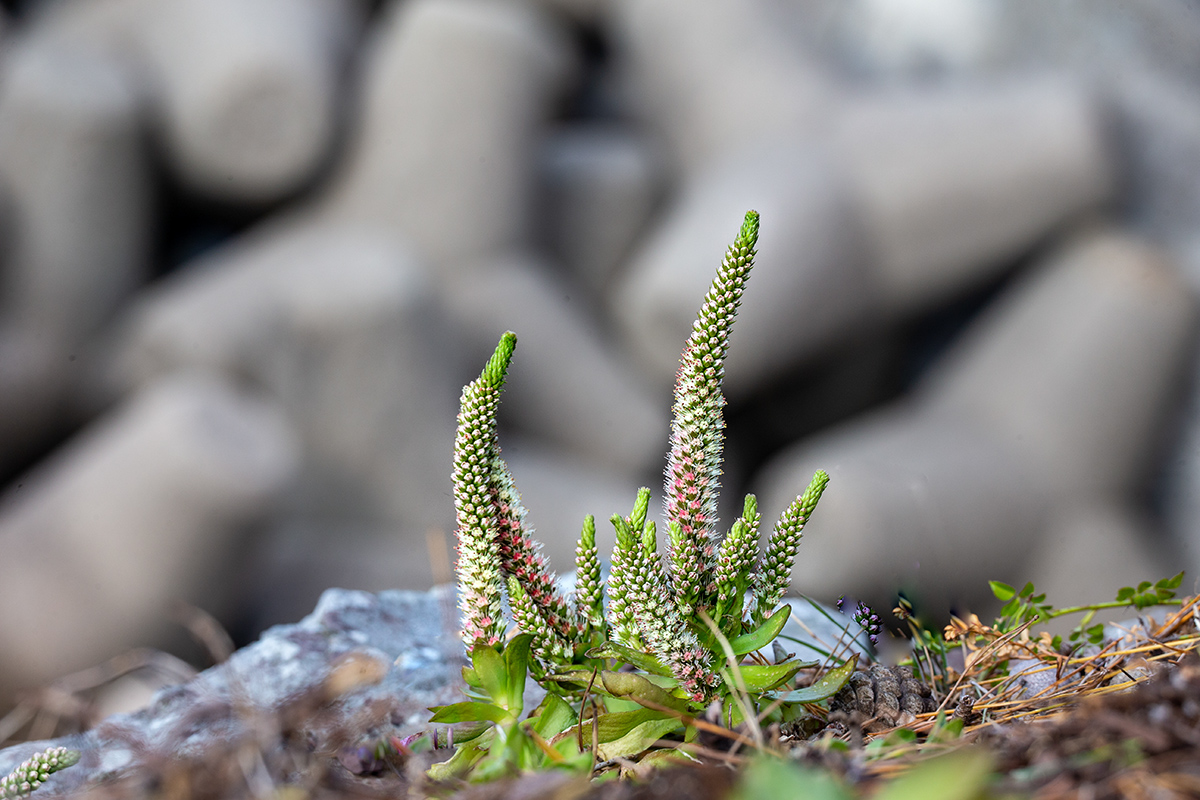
[685, 628]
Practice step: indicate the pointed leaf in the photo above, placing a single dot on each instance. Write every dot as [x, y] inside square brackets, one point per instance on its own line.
[469, 712]
[824, 687]
[1002, 590]
[961, 775]
[639, 739]
[620, 652]
[631, 686]
[762, 636]
[489, 668]
[516, 667]
[471, 678]
[760, 678]
[553, 717]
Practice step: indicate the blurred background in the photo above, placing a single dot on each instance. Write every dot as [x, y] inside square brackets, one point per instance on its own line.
[250, 250]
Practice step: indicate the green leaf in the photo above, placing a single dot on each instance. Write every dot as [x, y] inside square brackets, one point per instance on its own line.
[471, 678]
[1027, 589]
[1095, 633]
[1170, 583]
[553, 717]
[777, 779]
[620, 652]
[516, 667]
[469, 712]
[823, 688]
[1125, 594]
[962, 775]
[639, 739]
[762, 636]
[489, 668]
[762, 677]
[631, 686]
[458, 764]
[1143, 586]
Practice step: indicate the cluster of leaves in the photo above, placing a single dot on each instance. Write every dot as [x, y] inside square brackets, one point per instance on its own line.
[626, 662]
[1013, 635]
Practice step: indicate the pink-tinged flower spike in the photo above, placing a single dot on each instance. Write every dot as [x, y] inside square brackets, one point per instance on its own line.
[521, 556]
[736, 560]
[775, 571]
[697, 429]
[589, 587]
[548, 645]
[659, 622]
[478, 568]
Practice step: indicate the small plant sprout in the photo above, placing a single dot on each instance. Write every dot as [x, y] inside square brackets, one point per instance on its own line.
[684, 627]
[35, 770]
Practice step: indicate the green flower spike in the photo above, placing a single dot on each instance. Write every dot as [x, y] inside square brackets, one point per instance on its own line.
[589, 588]
[775, 572]
[548, 644]
[475, 452]
[737, 557]
[693, 471]
[34, 771]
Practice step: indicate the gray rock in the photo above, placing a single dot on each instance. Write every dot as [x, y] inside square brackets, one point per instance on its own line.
[952, 184]
[715, 82]
[601, 184]
[342, 327]
[138, 510]
[1077, 367]
[291, 667]
[75, 175]
[1052, 399]
[455, 91]
[565, 383]
[246, 90]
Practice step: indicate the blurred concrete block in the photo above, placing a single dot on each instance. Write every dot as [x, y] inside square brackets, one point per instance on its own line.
[908, 202]
[565, 382]
[717, 80]
[811, 284]
[1053, 398]
[246, 89]
[601, 183]
[951, 184]
[1077, 367]
[342, 327]
[455, 91]
[74, 168]
[135, 512]
[933, 506]
[1090, 550]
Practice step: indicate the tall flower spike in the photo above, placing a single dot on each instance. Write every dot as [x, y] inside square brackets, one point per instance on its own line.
[35, 770]
[521, 556]
[775, 571]
[697, 427]
[589, 588]
[621, 623]
[478, 569]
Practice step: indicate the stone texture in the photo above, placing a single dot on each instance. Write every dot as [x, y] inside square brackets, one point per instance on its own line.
[138, 510]
[454, 93]
[1054, 397]
[291, 666]
[565, 383]
[601, 183]
[340, 325]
